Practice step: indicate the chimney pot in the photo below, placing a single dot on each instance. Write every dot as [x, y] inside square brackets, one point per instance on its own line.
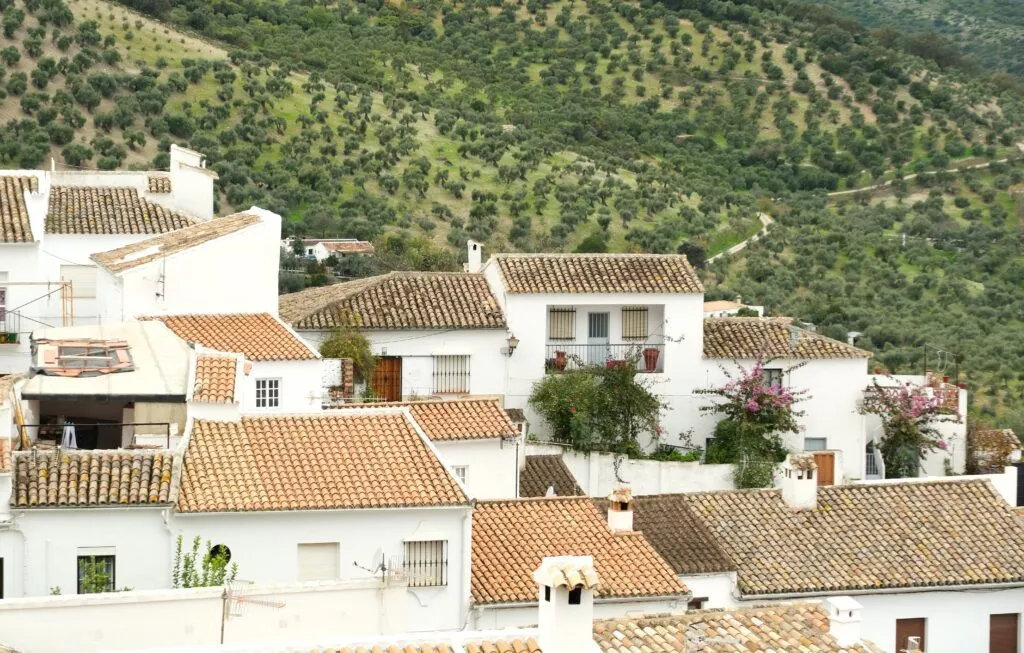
[565, 617]
[475, 254]
[844, 620]
[620, 510]
[799, 483]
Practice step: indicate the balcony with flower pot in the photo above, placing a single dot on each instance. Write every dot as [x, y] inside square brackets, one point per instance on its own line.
[580, 336]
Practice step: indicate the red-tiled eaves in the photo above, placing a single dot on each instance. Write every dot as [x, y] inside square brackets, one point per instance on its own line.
[257, 336]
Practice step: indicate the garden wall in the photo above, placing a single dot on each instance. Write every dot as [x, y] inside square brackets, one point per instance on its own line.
[597, 474]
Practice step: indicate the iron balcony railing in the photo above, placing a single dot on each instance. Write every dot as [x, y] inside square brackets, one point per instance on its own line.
[560, 357]
[10, 326]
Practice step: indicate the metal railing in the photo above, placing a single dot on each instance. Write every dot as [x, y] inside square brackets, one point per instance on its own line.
[875, 464]
[10, 327]
[568, 356]
[88, 435]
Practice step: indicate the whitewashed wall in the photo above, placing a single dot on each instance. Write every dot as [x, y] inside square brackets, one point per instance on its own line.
[300, 388]
[265, 547]
[717, 588]
[41, 550]
[192, 617]
[20, 262]
[596, 474]
[492, 469]
[520, 616]
[231, 282]
[488, 366]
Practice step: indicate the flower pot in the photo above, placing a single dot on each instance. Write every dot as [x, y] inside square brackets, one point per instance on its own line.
[651, 359]
[560, 360]
[11, 337]
[945, 379]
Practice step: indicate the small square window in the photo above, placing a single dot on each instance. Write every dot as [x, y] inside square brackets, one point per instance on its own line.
[460, 472]
[772, 376]
[575, 596]
[815, 444]
[95, 574]
[268, 393]
[697, 603]
[426, 563]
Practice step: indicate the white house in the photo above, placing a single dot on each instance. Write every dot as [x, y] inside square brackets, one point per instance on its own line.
[323, 248]
[942, 561]
[163, 274]
[328, 497]
[511, 538]
[435, 333]
[51, 222]
[474, 438]
[284, 374]
[726, 308]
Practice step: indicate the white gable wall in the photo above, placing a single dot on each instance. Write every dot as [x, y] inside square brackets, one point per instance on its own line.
[492, 468]
[299, 388]
[19, 262]
[265, 546]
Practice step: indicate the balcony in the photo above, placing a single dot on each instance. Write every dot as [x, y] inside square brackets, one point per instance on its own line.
[562, 357]
[10, 327]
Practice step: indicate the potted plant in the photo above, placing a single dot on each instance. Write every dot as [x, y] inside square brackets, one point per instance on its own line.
[11, 338]
[651, 358]
[561, 360]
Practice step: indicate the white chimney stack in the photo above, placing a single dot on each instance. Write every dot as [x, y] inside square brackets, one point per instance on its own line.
[566, 603]
[799, 482]
[620, 510]
[476, 256]
[844, 620]
[191, 183]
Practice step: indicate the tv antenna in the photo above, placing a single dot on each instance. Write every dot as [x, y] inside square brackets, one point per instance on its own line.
[235, 598]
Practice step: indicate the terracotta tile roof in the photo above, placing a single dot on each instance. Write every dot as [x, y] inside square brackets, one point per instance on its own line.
[257, 336]
[514, 645]
[528, 645]
[312, 462]
[14, 222]
[158, 183]
[597, 273]
[398, 300]
[799, 627]
[511, 538]
[145, 251]
[992, 449]
[71, 477]
[676, 534]
[750, 337]
[6, 454]
[350, 247]
[543, 472]
[215, 379]
[867, 536]
[102, 210]
[458, 419]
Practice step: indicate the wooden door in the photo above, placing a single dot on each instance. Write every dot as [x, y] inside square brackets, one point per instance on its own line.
[1003, 633]
[826, 463]
[387, 378]
[907, 628]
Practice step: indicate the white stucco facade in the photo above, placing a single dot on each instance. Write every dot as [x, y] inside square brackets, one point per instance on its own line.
[299, 386]
[490, 465]
[716, 589]
[265, 546]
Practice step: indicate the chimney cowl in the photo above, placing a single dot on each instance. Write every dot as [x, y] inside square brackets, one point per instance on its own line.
[620, 510]
[844, 620]
[799, 483]
[565, 619]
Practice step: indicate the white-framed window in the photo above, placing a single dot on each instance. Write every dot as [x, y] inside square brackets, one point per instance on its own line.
[561, 323]
[634, 323]
[82, 278]
[319, 561]
[772, 375]
[268, 393]
[451, 375]
[460, 472]
[426, 563]
[815, 444]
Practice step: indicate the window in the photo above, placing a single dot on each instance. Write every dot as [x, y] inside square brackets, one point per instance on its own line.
[82, 278]
[697, 603]
[268, 393]
[318, 561]
[575, 596]
[561, 324]
[460, 472]
[815, 444]
[451, 374]
[634, 323]
[309, 251]
[95, 574]
[426, 563]
[910, 634]
[772, 376]
[547, 594]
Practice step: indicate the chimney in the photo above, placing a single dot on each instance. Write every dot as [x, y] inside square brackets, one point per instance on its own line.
[620, 510]
[739, 299]
[191, 183]
[476, 254]
[799, 485]
[566, 603]
[844, 620]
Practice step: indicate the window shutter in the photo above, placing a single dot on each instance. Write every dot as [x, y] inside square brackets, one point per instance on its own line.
[562, 324]
[634, 323]
[318, 561]
[82, 278]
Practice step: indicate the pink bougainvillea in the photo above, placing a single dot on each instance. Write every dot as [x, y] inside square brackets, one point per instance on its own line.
[749, 397]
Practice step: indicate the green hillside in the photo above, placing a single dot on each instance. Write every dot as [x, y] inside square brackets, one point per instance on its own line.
[556, 126]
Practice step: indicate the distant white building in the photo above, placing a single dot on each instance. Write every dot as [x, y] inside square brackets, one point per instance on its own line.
[725, 308]
[322, 249]
[51, 222]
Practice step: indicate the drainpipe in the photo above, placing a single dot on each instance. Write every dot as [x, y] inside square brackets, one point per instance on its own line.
[467, 548]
